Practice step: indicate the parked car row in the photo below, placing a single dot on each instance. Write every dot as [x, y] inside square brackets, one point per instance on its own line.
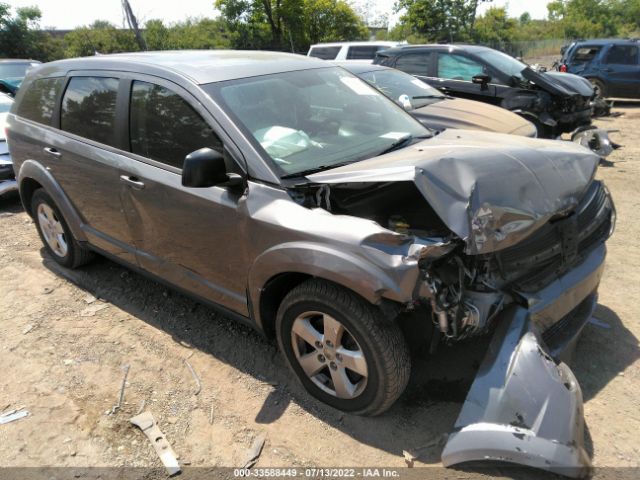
[297, 198]
[7, 177]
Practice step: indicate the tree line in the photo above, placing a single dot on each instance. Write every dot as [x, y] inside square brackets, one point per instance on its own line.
[292, 25]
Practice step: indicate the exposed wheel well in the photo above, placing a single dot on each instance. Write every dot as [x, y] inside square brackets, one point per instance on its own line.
[27, 187]
[272, 295]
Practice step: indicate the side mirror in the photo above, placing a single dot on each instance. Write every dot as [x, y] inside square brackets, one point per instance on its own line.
[207, 168]
[481, 79]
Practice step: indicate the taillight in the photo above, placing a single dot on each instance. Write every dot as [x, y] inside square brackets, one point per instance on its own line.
[563, 68]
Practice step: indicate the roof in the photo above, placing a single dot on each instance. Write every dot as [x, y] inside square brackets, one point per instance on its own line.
[201, 66]
[358, 68]
[607, 41]
[17, 60]
[361, 43]
[440, 46]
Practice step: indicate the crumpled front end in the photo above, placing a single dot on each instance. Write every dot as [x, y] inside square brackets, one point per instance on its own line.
[523, 259]
[525, 406]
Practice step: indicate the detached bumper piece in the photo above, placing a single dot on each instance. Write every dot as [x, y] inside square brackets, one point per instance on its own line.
[524, 407]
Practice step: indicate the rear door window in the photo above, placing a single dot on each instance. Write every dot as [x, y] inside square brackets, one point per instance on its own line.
[458, 67]
[39, 100]
[164, 127]
[89, 108]
[363, 52]
[414, 63]
[622, 55]
[325, 53]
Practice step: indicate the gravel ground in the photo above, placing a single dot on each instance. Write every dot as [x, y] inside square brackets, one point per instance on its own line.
[66, 336]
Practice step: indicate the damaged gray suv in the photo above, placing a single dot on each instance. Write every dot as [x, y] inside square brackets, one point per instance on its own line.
[298, 199]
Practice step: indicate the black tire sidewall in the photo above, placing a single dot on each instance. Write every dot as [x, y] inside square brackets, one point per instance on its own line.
[363, 401]
[40, 197]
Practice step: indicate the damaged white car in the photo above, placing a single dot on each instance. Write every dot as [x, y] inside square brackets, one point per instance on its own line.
[298, 199]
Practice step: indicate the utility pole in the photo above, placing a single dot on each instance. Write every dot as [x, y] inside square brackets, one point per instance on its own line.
[133, 24]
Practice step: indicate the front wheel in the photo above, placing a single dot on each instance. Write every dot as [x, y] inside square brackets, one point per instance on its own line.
[343, 350]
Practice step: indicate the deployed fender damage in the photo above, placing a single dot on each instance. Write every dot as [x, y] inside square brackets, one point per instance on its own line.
[522, 257]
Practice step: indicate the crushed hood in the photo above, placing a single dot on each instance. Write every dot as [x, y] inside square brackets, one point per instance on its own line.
[467, 114]
[491, 190]
[562, 84]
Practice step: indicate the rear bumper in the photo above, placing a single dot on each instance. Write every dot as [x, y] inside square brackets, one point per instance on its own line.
[525, 407]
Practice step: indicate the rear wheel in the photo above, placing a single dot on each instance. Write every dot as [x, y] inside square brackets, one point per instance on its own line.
[342, 349]
[599, 88]
[55, 234]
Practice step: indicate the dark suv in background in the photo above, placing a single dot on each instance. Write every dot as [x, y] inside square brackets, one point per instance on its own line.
[556, 104]
[611, 65]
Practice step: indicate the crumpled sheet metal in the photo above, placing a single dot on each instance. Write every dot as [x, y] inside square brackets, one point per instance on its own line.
[596, 140]
[491, 190]
[522, 407]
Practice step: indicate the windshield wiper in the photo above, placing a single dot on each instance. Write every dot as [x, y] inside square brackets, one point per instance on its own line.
[402, 142]
[309, 171]
[426, 97]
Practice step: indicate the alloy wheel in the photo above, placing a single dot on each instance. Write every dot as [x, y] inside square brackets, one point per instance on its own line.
[52, 230]
[329, 355]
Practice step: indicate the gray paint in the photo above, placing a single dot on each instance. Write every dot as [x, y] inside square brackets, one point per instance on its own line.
[223, 245]
[463, 174]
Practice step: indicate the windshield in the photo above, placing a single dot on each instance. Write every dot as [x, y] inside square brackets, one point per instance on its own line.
[315, 119]
[402, 88]
[502, 62]
[14, 70]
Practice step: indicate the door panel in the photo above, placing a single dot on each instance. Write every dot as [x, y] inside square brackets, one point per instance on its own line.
[621, 68]
[187, 236]
[84, 160]
[454, 74]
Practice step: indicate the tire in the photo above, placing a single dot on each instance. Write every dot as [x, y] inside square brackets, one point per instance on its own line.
[599, 87]
[363, 335]
[55, 233]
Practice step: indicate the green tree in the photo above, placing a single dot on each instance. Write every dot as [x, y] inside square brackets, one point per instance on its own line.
[99, 38]
[439, 20]
[332, 20]
[20, 36]
[495, 27]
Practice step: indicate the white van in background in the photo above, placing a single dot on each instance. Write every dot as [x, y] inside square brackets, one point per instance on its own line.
[349, 51]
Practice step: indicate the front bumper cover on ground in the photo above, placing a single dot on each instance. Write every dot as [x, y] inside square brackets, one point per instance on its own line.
[525, 407]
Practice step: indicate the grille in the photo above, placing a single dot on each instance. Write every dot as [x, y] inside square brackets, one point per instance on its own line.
[558, 335]
[558, 245]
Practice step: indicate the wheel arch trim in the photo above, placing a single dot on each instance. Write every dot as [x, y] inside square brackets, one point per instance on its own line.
[30, 170]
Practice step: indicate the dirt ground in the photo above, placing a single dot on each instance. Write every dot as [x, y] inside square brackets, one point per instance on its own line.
[66, 336]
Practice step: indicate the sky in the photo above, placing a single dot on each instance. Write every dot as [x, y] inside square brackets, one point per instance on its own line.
[68, 14]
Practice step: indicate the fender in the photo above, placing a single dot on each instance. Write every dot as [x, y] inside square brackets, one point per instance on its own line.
[319, 260]
[30, 169]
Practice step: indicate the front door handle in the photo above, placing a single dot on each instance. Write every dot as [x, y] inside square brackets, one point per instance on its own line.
[53, 152]
[133, 181]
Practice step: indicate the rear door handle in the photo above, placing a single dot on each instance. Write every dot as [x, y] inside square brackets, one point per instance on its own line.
[133, 181]
[53, 152]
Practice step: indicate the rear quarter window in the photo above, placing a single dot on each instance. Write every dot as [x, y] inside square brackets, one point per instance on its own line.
[39, 100]
[89, 108]
[585, 54]
[366, 52]
[324, 53]
[414, 63]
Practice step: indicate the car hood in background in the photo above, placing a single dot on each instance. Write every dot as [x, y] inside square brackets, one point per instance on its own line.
[491, 190]
[469, 115]
[563, 84]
